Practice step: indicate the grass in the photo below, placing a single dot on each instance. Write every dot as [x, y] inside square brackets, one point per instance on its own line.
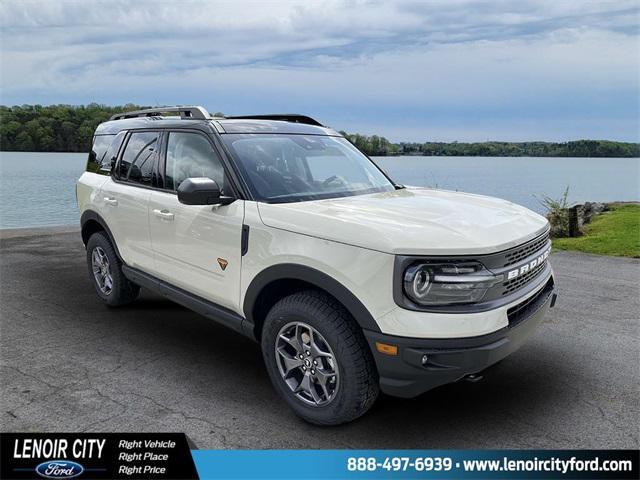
[616, 232]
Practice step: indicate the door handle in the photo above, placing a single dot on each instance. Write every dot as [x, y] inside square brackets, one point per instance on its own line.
[111, 201]
[163, 214]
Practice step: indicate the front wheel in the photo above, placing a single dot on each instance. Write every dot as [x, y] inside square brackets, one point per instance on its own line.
[318, 359]
[105, 269]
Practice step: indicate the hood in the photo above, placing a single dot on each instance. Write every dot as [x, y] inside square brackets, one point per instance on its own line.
[411, 221]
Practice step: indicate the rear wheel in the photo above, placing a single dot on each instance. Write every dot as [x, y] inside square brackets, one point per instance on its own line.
[105, 269]
[318, 359]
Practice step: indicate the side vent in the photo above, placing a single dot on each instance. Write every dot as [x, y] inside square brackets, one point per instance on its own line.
[244, 243]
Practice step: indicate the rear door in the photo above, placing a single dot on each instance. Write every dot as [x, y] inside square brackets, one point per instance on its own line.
[196, 248]
[125, 198]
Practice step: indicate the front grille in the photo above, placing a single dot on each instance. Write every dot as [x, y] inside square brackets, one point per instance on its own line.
[515, 283]
[524, 310]
[519, 253]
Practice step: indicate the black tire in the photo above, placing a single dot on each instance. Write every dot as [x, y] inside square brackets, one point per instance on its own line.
[122, 292]
[358, 379]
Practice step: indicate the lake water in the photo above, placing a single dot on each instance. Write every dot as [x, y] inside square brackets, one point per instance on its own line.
[38, 189]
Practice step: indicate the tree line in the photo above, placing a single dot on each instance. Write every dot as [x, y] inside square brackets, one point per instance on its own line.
[380, 146]
[52, 128]
[67, 128]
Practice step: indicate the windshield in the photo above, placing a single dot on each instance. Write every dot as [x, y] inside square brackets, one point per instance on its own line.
[293, 168]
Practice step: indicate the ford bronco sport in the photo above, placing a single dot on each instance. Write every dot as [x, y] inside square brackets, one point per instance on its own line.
[280, 229]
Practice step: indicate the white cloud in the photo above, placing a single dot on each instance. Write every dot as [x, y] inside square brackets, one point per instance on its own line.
[455, 66]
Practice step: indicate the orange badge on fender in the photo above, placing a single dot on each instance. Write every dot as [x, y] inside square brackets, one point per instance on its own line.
[223, 263]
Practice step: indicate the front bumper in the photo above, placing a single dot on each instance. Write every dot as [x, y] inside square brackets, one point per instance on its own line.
[449, 360]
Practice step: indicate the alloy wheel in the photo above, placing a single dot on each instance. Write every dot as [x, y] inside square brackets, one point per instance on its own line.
[102, 270]
[307, 364]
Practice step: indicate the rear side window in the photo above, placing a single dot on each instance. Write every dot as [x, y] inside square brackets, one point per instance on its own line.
[137, 162]
[104, 152]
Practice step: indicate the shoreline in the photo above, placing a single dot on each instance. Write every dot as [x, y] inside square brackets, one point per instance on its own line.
[36, 230]
[19, 232]
[389, 155]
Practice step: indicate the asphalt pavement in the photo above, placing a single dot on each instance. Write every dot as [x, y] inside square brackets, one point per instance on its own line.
[68, 363]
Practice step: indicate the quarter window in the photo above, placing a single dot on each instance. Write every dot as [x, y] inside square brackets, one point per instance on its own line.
[136, 164]
[103, 153]
[191, 155]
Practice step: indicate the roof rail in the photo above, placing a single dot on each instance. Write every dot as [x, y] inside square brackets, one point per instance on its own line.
[285, 117]
[189, 113]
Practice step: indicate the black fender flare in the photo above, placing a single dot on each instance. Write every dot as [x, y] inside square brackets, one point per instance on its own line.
[292, 271]
[90, 215]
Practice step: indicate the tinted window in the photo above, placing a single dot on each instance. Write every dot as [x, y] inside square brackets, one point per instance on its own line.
[191, 155]
[136, 164]
[98, 157]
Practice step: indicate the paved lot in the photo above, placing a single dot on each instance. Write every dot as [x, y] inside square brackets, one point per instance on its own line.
[70, 364]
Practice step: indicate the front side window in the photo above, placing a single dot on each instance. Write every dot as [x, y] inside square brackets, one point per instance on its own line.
[190, 155]
[137, 162]
[290, 168]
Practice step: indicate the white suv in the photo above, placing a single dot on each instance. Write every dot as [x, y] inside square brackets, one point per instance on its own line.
[280, 229]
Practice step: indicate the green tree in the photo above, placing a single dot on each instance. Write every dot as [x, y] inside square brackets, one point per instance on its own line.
[24, 143]
[67, 128]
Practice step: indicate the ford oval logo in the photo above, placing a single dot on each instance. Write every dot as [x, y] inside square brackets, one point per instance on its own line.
[59, 469]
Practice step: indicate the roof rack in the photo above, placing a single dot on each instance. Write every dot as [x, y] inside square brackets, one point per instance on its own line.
[188, 113]
[285, 117]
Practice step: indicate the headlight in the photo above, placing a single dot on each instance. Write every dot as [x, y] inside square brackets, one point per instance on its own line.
[448, 283]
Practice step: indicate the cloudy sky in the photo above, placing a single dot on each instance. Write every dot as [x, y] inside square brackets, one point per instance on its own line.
[409, 70]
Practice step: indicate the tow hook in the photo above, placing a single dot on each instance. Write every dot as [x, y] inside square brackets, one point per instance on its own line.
[473, 377]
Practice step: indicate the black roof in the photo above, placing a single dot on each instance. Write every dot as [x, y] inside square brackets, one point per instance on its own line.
[271, 126]
[113, 127]
[253, 124]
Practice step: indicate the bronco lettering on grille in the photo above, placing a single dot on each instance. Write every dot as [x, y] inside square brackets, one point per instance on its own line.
[522, 269]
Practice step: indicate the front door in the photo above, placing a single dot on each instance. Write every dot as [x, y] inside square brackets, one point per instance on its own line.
[196, 247]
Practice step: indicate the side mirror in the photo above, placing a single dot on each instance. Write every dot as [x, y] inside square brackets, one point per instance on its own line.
[201, 191]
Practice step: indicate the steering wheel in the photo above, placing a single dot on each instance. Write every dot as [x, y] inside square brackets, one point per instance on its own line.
[332, 179]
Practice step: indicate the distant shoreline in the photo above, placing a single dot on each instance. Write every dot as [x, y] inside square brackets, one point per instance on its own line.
[498, 156]
[380, 146]
[378, 155]
[69, 129]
